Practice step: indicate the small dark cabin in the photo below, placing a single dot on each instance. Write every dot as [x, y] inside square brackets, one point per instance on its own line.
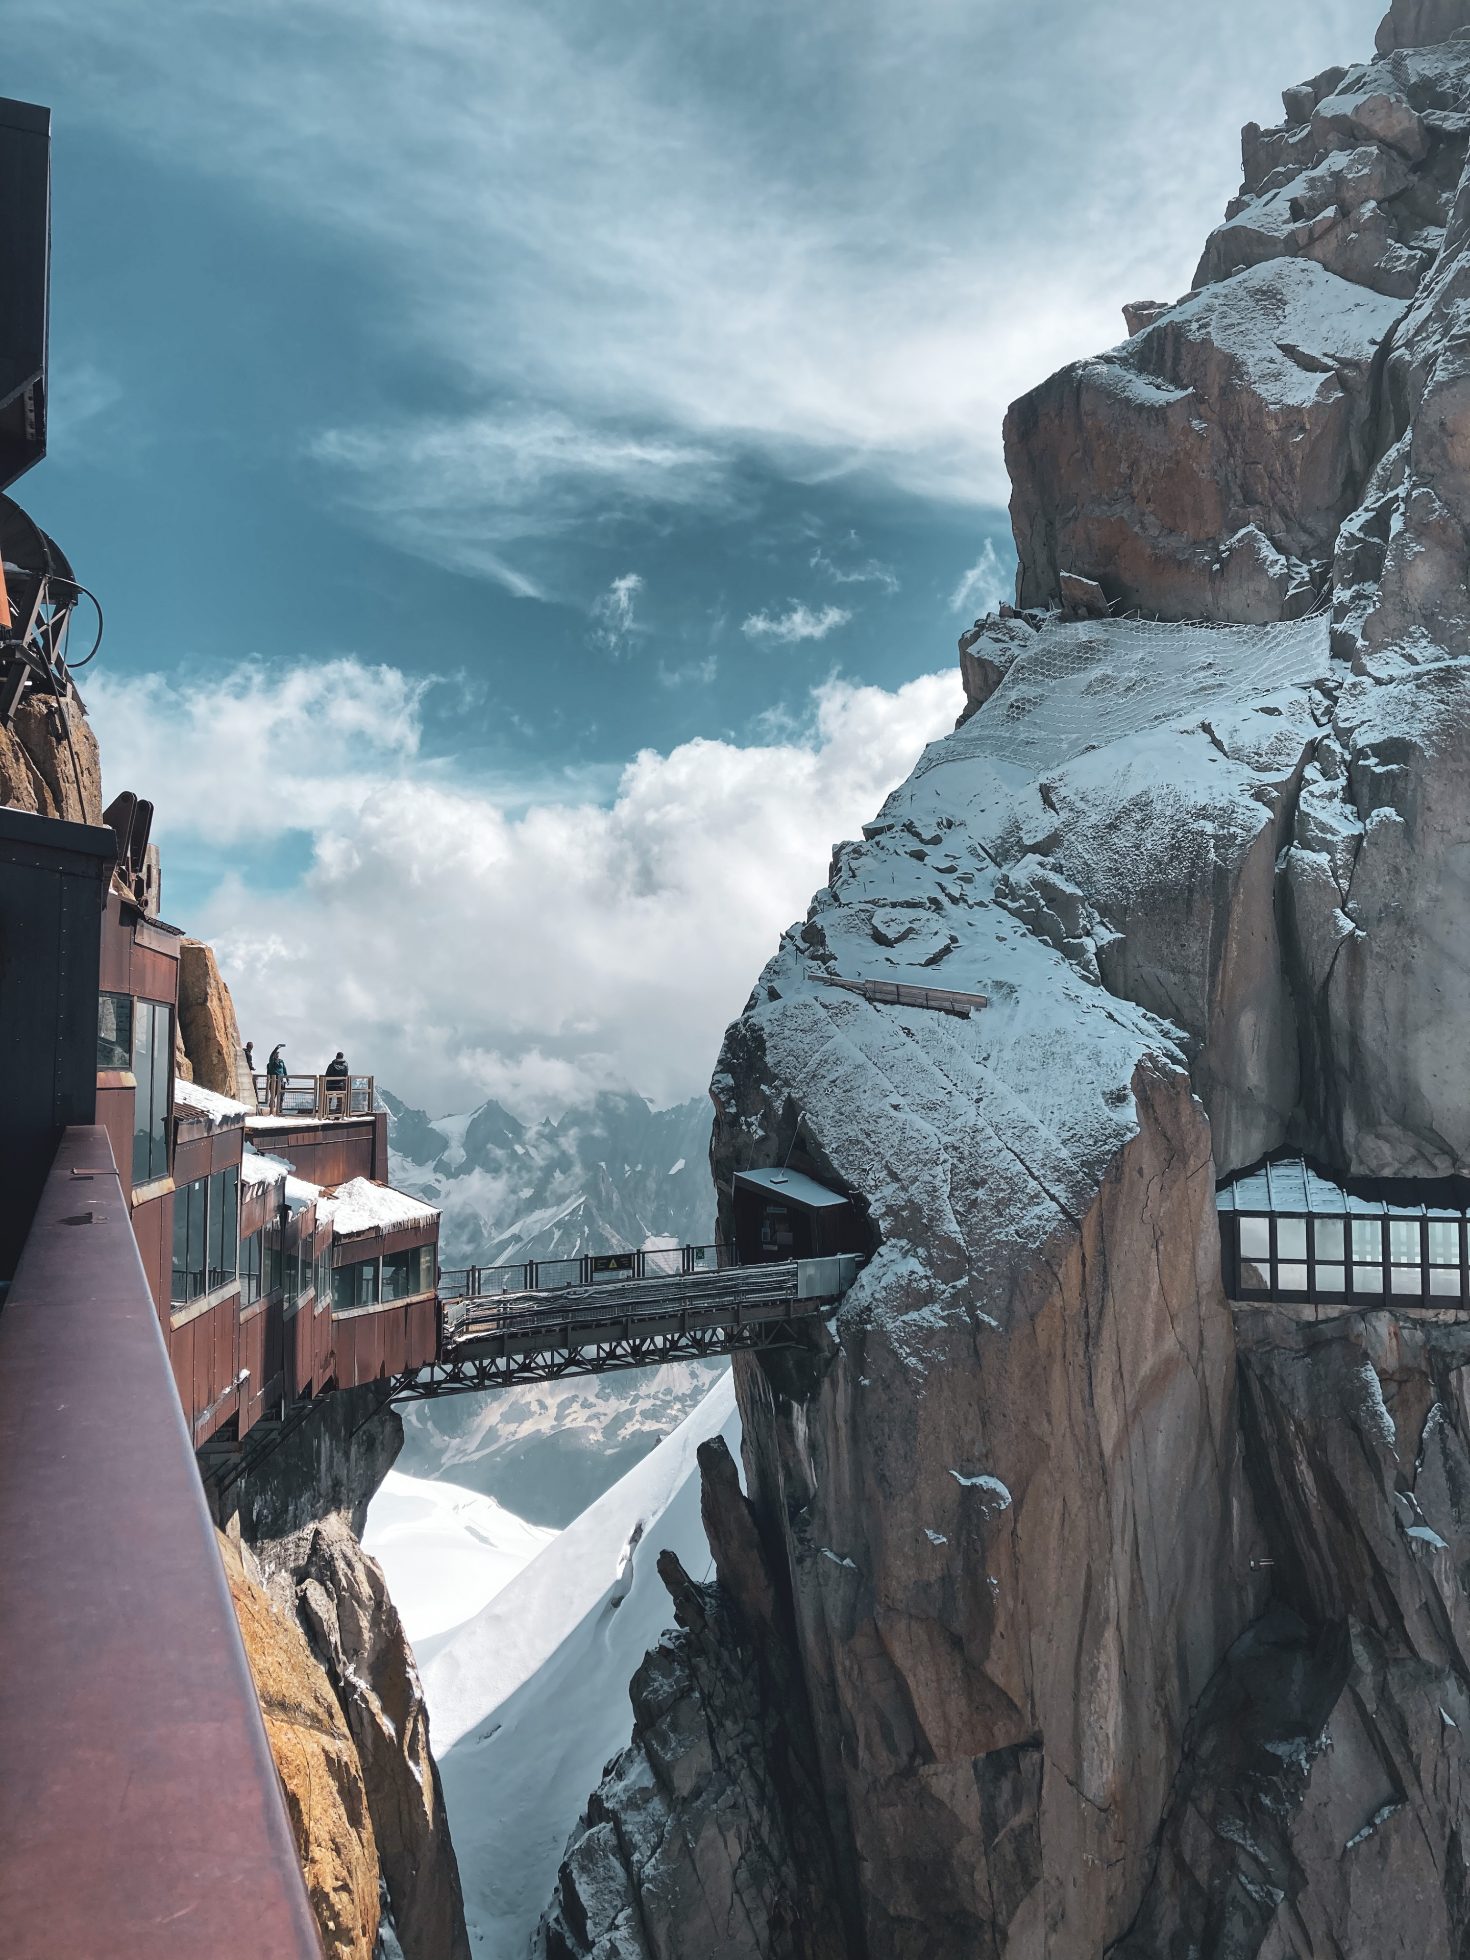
[784, 1214]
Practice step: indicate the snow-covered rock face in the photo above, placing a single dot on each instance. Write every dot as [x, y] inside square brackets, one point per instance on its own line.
[1120, 1628]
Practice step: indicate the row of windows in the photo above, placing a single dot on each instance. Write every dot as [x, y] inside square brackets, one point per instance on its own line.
[206, 1235]
[374, 1282]
[264, 1269]
[1372, 1255]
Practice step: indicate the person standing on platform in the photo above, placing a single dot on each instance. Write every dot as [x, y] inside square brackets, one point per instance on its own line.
[275, 1080]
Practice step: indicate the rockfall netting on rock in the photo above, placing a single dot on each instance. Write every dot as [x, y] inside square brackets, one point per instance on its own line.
[1088, 683]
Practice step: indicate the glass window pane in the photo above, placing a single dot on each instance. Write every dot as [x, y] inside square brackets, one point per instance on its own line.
[1291, 1279]
[342, 1285]
[114, 1031]
[367, 1283]
[1367, 1238]
[1331, 1279]
[1253, 1278]
[1444, 1242]
[1327, 1238]
[1291, 1238]
[1446, 1280]
[230, 1203]
[197, 1211]
[163, 1069]
[1403, 1241]
[1408, 1279]
[1255, 1238]
[178, 1292]
[1368, 1279]
[143, 1075]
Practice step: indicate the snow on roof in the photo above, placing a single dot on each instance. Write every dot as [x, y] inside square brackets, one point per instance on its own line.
[362, 1206]
[257, 1168]
[793, 1186]
[199, 1101]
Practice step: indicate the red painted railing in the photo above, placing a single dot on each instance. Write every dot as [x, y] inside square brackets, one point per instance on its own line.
[140, 1812]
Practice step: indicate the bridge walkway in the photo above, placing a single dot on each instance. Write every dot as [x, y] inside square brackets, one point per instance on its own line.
[623, 1315]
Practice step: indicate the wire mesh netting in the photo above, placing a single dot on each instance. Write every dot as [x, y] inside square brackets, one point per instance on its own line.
[1087, 683]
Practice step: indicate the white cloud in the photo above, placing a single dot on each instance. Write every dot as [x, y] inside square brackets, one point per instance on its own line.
[261, 749]
[615, 612]
[982, 588]
[473, 494]
[798, 622]
[455, 948]
[627, 224]
[871, 572]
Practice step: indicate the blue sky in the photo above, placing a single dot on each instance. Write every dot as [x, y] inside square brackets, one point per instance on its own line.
[460, 402]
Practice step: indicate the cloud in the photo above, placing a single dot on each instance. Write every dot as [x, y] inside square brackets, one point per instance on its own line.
[459, 949]
[983, 587]
[615, 612]
[871, 572]
[798, 622]
[262, 749]
[626, 221]
[474, 493]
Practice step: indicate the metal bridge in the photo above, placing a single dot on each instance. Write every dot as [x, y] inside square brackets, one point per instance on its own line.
[605, 1311]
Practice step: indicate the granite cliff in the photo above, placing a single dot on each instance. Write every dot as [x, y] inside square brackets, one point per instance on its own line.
[1071, 1610]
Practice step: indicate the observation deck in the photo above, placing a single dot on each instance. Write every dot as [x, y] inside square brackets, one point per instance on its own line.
[609, 1311]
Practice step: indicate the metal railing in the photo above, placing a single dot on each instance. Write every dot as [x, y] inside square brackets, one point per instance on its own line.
[585, 1269]
[145, 1755]
[321, 1097]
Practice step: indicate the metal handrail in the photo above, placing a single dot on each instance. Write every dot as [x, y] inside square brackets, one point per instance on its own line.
[320, 1097]
[108, 1742]
[584, 1269]
[579, 1312]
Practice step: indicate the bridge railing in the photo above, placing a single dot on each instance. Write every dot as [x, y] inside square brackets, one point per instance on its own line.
[317, 1096]
[584, 1269]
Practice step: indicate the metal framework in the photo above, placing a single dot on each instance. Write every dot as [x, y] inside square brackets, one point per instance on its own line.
[635, 1321]
[471, 1374]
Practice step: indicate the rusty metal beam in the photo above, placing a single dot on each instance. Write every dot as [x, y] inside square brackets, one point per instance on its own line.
[140, 1812]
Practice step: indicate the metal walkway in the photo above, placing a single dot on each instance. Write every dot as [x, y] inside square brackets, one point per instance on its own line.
[628, 1317]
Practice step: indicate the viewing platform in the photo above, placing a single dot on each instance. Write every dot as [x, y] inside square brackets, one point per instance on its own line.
[611, 1311]
[321, 1098]
[1290, 1234]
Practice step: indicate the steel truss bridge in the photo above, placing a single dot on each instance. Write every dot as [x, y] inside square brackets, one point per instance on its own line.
[623, 1310]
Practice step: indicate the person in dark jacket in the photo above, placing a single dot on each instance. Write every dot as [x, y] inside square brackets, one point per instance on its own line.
[275, 1080]
[336, 1069]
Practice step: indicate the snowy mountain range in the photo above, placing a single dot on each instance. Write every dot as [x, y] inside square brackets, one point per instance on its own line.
[612, 1175]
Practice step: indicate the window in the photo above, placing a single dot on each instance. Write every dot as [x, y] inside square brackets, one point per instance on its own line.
[1406, 1258]
[252, 1266]
[322, 1275]
[206, 1224]
[190, 1205]
[273, 1258]
[114, 1031]
[293, 1263]
[355, 1286]
[224, 1226]
[1329, 1243]
[404, 1273]
[153, 1067]
[1445, 1274]
[1367, 1238]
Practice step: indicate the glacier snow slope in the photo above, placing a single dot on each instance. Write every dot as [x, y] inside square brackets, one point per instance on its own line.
[528, 1699]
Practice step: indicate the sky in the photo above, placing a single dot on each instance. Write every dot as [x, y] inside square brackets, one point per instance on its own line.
[536, 459]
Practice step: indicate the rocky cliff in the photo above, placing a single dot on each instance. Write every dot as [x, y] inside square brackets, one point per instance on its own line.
[298, 1509]
[1076, 1612]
